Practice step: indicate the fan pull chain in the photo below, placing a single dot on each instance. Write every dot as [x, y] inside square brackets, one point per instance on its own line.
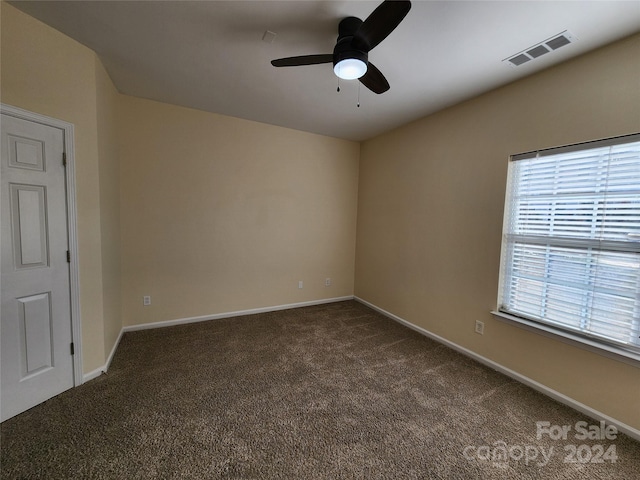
[338, 90]
[358, 94]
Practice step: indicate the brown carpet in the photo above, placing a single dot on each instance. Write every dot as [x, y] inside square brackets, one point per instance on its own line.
[334, 391]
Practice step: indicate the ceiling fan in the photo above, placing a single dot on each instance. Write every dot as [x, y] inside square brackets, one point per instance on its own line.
[355, 40]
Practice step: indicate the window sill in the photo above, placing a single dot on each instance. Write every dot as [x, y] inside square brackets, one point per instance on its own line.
[609, 351]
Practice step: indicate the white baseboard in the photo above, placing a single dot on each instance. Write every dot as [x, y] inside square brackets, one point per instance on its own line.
[238, 313]
[93, 374]
[103, 369]
[113, 350]
[217, 316]
[581, 407]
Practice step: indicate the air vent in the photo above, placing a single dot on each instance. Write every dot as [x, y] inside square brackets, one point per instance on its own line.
[537, 51]
[540, 49]
[559, 41]
[519, 59]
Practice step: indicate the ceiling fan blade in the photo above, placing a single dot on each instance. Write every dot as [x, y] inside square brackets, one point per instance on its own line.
[374, 80]
[302, 60]
[382, 21]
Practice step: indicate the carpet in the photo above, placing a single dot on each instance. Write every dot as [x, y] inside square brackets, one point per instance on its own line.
[334, 391]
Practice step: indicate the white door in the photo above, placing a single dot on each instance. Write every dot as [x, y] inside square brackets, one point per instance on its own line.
[35, 331]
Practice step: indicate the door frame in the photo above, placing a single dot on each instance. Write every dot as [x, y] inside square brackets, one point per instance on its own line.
[72, 220]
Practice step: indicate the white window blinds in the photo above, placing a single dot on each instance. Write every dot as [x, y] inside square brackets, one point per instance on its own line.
[571, 246]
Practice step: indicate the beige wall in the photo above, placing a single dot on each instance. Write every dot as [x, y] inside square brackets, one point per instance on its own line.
[48, 73]
[431, 199]
[109, 172]
[221, 214]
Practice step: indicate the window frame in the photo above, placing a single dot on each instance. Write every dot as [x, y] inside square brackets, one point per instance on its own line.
[546, 328]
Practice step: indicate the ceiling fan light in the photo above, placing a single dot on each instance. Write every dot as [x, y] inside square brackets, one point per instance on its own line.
[350, 68]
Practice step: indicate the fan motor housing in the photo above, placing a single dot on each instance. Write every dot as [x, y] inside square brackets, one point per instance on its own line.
[343, 49]
[348, 26]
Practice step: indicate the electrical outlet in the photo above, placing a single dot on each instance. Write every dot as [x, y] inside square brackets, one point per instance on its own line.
[146, 300]
[300, 284]
[479, 327]
[327, 282]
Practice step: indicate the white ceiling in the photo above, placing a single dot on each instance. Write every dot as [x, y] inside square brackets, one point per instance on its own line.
[210, 55]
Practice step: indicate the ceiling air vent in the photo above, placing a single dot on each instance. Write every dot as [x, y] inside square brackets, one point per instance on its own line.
[542, 48]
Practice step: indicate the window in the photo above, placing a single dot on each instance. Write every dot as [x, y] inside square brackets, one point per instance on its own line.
[571, 243]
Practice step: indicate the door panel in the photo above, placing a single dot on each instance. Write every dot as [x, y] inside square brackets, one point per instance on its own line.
[28, 211]
[26, 153]
[35, 331]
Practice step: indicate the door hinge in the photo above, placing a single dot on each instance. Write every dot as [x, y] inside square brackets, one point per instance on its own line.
[64, 159]
[73, 350]
[68, 256]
